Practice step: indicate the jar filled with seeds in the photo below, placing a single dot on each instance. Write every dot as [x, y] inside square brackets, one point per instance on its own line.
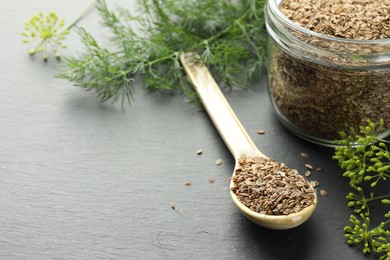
[329, 65]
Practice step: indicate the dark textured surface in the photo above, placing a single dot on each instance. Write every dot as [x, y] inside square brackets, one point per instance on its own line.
[85, 180]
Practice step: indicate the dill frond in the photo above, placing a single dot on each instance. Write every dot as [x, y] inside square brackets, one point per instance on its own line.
[228, 36]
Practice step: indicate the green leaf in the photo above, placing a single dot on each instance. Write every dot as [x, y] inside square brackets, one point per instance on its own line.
[229, 37]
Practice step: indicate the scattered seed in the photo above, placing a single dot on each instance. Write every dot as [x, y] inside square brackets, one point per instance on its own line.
[261, 132]
[218, 162]
[211, 180]
[199, 151]
[304, 155]
[173, 206]
[308, 166]
[324, 193]
[187, 183]
[307, 173]
[319, 169]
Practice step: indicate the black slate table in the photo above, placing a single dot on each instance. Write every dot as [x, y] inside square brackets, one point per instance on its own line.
[84, 180]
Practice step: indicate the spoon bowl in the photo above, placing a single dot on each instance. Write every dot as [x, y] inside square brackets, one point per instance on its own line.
[280, 222]
[237, 140]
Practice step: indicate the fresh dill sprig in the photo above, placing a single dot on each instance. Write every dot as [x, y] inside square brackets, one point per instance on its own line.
[375, 239]
[229, 36]
[366, 160]
[49, 32]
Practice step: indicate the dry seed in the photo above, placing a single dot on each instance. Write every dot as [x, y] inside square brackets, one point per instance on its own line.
[199, 151]
[304, 155]
[261, 132]
[211, 180]
[218, 162]
[307, 173]
[187, 183]
[308, 166]
[324, 193]
[319, 169]
[173, 206]
[314, 183]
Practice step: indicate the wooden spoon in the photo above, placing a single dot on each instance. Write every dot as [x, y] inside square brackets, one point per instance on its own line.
[236, 138]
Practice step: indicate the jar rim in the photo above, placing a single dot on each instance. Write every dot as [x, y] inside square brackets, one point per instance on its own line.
[274, 7]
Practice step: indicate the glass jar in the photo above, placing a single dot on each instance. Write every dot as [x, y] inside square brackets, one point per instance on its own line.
[320, 84]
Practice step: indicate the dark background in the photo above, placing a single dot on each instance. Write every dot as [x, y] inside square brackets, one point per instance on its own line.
[84, 180]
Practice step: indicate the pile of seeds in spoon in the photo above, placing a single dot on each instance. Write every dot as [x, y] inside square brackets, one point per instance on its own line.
[269, 187]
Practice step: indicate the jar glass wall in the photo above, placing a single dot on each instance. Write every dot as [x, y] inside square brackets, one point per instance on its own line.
[320, 84]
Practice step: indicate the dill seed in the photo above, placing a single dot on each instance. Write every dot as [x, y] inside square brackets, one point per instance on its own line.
[261, 132]
[304, 155]
[309, 166]
[307, 173]
[269, 187]
[187, 183]
[199, 151]
[324, 193]
[314, 183]
[173, 206]
[319, 169]
[218, 162]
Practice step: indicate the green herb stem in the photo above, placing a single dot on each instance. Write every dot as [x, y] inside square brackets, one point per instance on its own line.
[91, 5]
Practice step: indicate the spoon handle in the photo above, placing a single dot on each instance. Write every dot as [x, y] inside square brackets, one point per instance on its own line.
[219, 110]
